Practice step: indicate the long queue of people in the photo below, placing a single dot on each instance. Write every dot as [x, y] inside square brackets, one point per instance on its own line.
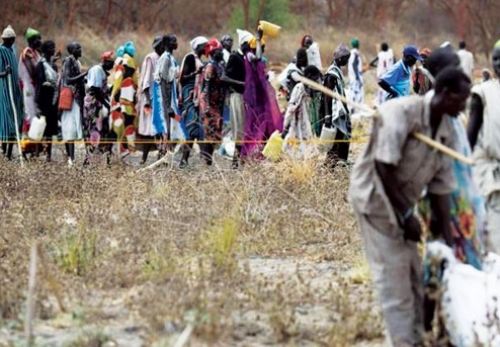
[116, 107]
[215, 92]
[162, 103]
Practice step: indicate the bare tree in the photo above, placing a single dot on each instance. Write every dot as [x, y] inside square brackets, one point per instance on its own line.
[476, 19]
[260, 10]
[246, 13]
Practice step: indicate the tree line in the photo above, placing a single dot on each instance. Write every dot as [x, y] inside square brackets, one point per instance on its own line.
[474, 21]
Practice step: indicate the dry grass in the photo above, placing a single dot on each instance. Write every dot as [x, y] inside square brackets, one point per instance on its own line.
[189, 246]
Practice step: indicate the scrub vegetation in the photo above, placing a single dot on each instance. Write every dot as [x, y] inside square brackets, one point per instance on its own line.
[268, 254]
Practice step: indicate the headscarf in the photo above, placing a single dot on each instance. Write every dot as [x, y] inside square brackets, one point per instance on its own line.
[355, 43]
[244, 36]
[157, 40]
[303, 41]
[198, 40]
[129, 48]
[212, 45]
[8, 33]
[107, 56]
[30, 33]
[341, 51]
[120, 51]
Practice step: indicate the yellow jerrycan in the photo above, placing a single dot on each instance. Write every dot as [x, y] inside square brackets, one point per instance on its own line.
[269, 29]
[274, 147]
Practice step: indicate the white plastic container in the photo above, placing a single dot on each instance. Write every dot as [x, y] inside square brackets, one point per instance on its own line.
[37, 128]
[326, 138]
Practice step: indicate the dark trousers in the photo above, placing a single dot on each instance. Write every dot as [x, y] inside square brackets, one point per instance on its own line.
[149, 143]
[7, 149]
[339, 150]
[207, 151]
[70, 150]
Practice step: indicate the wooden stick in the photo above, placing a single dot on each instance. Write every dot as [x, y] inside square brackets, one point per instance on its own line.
[443, 149]
[14, 109]
[50, 279]
[329, 92]
[419, 136]
[160, 161]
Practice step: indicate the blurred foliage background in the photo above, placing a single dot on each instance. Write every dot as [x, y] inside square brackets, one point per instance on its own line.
[99, 24]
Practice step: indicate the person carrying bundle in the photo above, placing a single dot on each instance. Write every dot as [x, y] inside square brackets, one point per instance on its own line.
[387, 182]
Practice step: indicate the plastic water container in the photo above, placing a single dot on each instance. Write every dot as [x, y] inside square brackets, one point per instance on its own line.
[269, 29]
[37, 128]
[326, 138]
[274, 147]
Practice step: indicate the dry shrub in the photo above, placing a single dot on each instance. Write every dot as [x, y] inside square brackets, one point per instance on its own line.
[179, 245]
[297, 172]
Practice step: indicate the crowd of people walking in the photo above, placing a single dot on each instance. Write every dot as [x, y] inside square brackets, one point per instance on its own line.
[115, 107]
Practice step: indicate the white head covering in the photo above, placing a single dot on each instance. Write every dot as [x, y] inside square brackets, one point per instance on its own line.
[445, 44]
[244, 36]
[198, 40]
[8, 33]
